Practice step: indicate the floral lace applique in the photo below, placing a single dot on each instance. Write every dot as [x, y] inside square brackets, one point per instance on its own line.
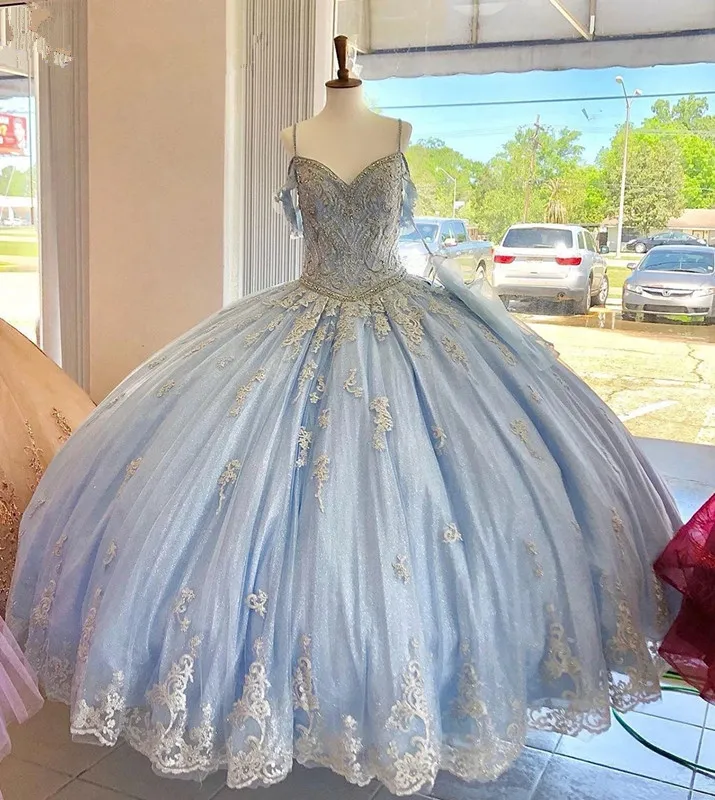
[533, 551]
[440, 438]
[34, 454]
[156, 363]
[63, 425]
[401, 569]
[320, 476]
[59, 546]
[520, 429]
[222, 363]
[451, 534]
[351, 385]
[111, 554]
[227, 478]
[382, 421]
[181, 606]
[257, 602]
[319, 390]
[535, 396]
[324, 418]
[131, 471]
[197, 348]
[244, 391]
[9, 536]
[305, 438]
[166, 388]
[455, 351]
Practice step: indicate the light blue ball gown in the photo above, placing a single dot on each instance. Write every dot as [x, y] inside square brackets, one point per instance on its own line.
[344, 522]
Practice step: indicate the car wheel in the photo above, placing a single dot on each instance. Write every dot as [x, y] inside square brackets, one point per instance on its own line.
[602, 296]
[481, 272]
[640, 248]
[581, 306]
[627, 316]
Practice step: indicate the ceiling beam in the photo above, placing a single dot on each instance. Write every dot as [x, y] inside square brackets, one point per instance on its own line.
[567, 15]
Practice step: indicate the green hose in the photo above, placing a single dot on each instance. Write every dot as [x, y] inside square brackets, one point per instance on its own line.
[681, 689]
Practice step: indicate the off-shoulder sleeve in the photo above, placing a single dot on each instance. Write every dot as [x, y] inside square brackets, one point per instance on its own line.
[409, 196]
[286, 201]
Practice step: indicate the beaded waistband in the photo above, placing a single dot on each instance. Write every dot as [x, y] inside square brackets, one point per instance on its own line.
[357, 295]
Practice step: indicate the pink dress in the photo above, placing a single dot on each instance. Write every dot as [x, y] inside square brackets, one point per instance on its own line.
[19, 696]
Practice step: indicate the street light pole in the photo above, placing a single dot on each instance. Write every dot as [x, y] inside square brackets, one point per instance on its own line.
[454, 190]
[629, 101]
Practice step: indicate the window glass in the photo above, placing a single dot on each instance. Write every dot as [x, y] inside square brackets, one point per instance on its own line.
[460, 231]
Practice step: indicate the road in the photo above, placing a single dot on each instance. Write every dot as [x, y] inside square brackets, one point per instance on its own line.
[658, 378]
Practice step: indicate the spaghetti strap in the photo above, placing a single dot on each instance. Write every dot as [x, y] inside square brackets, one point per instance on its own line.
[399, 135]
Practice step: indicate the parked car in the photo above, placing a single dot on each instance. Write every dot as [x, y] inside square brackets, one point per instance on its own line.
[645, 243]
[446, 237]
[551, 262]
[672, 280]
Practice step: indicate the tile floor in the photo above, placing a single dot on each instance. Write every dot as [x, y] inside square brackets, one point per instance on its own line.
[46, 765]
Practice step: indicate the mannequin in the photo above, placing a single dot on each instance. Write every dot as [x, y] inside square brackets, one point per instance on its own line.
[346, 136]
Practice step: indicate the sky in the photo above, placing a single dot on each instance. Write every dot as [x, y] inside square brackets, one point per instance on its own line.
[479, 131]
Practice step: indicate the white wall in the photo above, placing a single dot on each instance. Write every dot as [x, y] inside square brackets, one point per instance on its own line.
[156, 73]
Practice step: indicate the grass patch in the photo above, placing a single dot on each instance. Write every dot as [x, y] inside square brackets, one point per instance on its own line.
[617, 277]
[27, 249]
[5, 267]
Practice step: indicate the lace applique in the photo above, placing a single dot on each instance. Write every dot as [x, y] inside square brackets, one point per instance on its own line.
[454, 351]
[451, 534]
[535, 396]
[380, 322]
[85, 641]
[35, 456]
[382, 421]
[166, 388]
[536, 564]
[319, 390]
[40, 616]
[320, 476]
[408, 319]
[437, 305]
[63, 425]
[59, 546]
[303, 324]
[440, 438]
[104, 720]
[401, 569]
[417, 767]
[131, 471]
[257, 602]
[619, 529]
[351, 386]
[305, 438]
[9, 536]
[260, 761]
[181, 606]
[306, 375]
[222, 363]
[252, 338]
[197, 348]
[663, 616]
[322, 335]
[324, 418]
[304, 699]
[520, 429]
[244, 391]
[111, 554]
[227, 478]
[156, 363]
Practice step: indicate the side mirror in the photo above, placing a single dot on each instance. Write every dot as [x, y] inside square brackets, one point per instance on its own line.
[450, 242]
[631, 265]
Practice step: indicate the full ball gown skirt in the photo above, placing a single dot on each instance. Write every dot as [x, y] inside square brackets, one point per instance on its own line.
[342, 522]
[688, 564]
[39, 407]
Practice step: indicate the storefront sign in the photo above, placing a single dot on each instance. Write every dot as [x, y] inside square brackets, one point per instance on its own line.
[13, 135]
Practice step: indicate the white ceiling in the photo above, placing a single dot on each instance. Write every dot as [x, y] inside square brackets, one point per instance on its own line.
[442, 37]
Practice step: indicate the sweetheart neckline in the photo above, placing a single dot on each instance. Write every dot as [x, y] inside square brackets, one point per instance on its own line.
[358, 176]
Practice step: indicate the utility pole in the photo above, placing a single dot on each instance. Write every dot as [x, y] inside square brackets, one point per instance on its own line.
[532, 167]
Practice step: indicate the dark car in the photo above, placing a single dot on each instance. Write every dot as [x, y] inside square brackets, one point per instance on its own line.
[644, 243]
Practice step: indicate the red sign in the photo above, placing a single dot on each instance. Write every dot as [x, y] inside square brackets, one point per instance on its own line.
[13, 135]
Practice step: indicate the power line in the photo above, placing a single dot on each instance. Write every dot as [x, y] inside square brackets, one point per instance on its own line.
[482, 103]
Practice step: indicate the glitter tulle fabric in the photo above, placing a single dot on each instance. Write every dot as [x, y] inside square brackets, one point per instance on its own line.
[688, 564]
[343, 522]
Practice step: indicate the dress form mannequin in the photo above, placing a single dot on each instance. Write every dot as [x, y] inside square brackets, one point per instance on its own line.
[346, 135]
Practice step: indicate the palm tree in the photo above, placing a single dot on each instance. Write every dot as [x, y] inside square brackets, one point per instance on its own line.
[555, 208]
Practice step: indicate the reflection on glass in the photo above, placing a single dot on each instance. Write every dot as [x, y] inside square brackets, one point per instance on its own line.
[19, 248]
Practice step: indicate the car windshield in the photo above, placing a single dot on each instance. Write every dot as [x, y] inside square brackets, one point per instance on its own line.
[550, 238]
[422, 230]
[678, 261]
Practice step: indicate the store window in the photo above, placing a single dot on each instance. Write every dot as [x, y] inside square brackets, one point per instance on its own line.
[19, 250]
[529, 155]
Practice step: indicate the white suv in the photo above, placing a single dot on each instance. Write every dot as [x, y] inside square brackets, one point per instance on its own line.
[551, 262]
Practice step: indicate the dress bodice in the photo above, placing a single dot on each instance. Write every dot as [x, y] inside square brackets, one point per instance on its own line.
[350, 230]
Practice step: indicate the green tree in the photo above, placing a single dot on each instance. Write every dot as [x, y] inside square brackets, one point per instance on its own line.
[654, 179]
[17, 183]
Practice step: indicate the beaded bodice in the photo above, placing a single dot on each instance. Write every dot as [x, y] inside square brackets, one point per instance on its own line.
[350, 230]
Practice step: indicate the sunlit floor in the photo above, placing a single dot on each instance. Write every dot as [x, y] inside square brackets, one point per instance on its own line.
[46, 764]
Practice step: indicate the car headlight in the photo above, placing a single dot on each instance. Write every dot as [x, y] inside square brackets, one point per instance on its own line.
[635, 289]
[706, 292]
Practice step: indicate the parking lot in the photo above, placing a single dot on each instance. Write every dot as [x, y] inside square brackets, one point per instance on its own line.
[659, 378]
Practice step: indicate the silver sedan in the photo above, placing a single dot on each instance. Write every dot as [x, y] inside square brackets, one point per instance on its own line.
[672, 281]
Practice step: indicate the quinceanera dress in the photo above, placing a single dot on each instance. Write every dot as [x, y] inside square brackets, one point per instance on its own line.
[346, 521]
[39, 405]
[688, 564]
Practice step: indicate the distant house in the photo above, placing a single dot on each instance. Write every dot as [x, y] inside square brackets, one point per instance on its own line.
[698, 222]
